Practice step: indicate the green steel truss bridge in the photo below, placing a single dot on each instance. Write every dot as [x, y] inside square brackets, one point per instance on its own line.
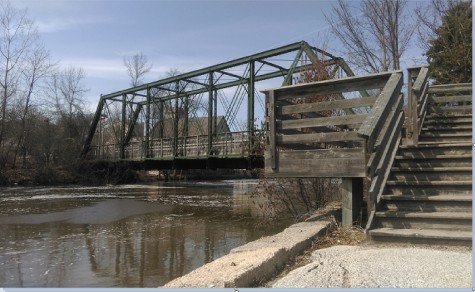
[207, 118]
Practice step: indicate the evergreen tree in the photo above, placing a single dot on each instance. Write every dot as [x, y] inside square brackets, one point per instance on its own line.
[450, 53]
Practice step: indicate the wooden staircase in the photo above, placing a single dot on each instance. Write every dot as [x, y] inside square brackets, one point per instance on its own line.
[428, 194]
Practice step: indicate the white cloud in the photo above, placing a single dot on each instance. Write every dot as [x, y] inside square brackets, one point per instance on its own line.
[101, 68]
[63, 24]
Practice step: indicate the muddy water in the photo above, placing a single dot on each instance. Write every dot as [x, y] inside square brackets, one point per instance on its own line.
[121, 236]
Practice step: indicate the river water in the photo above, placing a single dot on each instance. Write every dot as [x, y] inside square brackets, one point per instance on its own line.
[122, 236]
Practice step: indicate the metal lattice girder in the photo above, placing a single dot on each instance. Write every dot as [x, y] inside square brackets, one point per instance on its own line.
[208, 81]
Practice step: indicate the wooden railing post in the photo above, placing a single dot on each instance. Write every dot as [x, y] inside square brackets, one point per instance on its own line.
[417, 101]
[271, 127]
[351, 195]
[411, 103]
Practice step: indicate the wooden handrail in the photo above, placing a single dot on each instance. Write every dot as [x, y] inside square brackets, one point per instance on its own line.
[371, 127]
[382, 131]
[417, 102]
[358, 144]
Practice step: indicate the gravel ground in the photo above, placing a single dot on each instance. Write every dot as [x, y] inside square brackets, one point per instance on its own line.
[383, 267]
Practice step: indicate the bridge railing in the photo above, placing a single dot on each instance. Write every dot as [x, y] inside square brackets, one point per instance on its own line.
[224, 145]
[314, 131]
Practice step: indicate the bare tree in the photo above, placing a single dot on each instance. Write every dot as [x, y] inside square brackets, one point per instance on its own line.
[375, 34]
[67, 91]
[38, 66]
[137, 66]
[17, 34]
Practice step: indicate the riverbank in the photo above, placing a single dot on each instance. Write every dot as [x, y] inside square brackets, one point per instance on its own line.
[109, 172]
[82, 174]
[259, 261]
[319, 254]
[255, 262]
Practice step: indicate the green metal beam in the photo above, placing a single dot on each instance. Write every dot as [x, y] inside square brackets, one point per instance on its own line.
[147, 125]
[214, 84]
[210, 113]
[132, 122]
[250, 104]
[122, 126]
[241, 81]
[92, 129]
[223, 66]
[288, 77]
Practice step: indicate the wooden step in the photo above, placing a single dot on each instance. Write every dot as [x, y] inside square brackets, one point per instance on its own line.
[427, 190]
[448, 127]
[426, 215]
[424, 220]
[428, 236]
[431, 173]
[452, 135]
[432, 161]
[449, 110]
[439, 203]
[441, 141]
[428, 195]
[435, 149]
[428, 183]
[443, 197]
[419, 155]
[442, 138]
[445, 132]
[431, 169]
[440, 117]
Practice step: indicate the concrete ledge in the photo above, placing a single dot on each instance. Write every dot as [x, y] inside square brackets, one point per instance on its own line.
[254, 261]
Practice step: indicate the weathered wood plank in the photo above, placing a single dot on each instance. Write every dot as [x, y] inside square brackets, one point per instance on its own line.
[272, 128]
[444, 88]
[448, 98]
[394, 122]
[325, 129]
[374, 121]
[321, 153]
[378, 156]
[445, 109]
[378, 184]
[355, 83]
[319, 163]
[423, 102]
[421, 79]
[328, 105]
[390, 122]
[386, 159]
[423, 93]
[352, 198]
[320, 122]
[318, 137]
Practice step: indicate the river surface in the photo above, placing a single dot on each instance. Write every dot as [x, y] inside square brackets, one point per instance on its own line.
[121, 236]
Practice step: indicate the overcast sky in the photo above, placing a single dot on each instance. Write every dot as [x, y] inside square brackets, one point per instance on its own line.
[185, 35]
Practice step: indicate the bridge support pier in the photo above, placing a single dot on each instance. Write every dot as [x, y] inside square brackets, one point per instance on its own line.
[352, 199]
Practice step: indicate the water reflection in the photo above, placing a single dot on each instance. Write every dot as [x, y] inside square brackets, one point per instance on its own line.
[135, 236]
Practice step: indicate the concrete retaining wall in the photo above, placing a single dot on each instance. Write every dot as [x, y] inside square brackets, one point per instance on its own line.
[255, 261]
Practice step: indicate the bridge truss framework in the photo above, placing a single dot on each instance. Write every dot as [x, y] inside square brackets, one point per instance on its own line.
[158, 118]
